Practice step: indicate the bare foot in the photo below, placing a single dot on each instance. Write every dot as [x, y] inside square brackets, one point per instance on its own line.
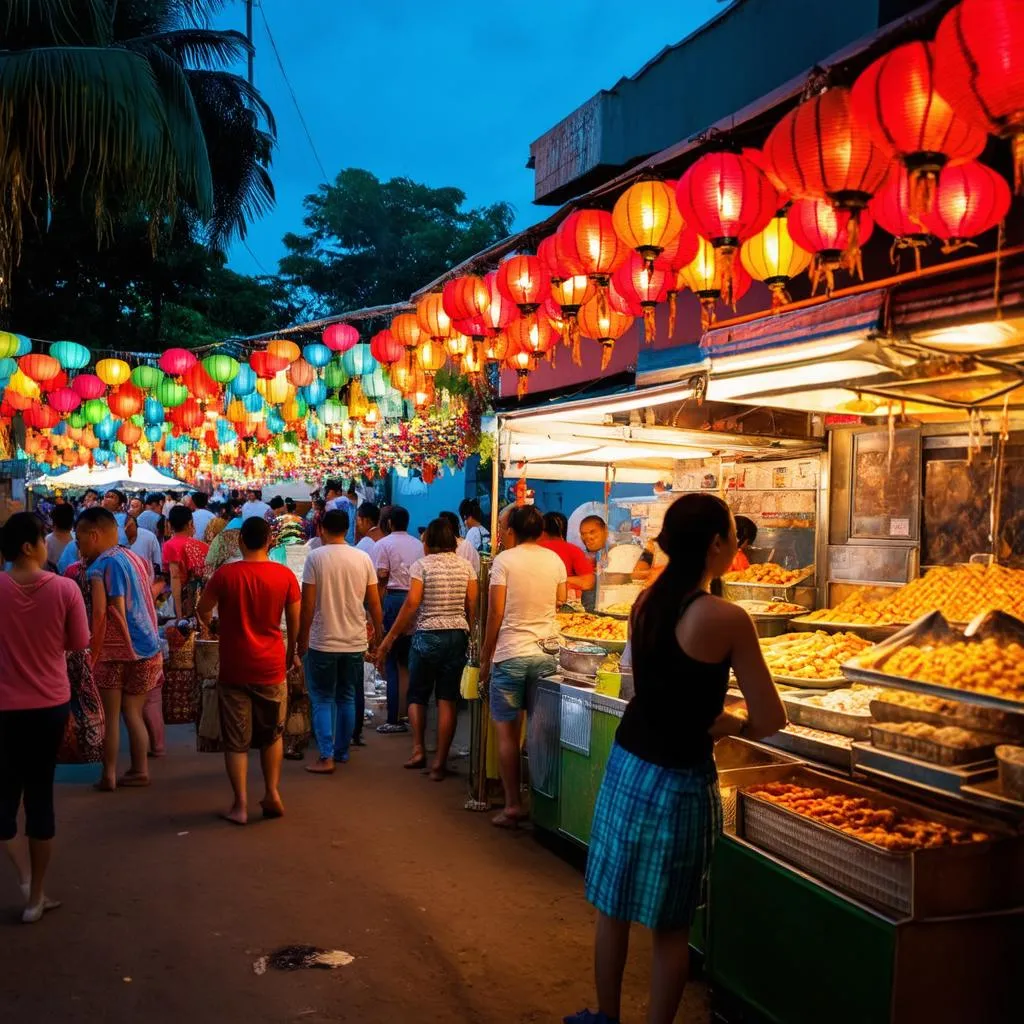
[321, 766]
[438, 773]
[236, 816]
[273, 807]
[105, 786]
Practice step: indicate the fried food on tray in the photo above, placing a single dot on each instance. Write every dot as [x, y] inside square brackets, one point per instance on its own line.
[767, 572]
[819, 736]
[960, 592]
[852, 700]
[857, 816]
[945, 735]
[817, 655]
[919, 701]
[854, 610]
[988, 666]
[593, 627]
[771, 608]
[621, 608]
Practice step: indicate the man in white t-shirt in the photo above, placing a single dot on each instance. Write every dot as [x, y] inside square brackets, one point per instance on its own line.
[201, 515]
[393, 557]
[255, 506]
[339, 585]
[476, 533]
[368, 530]
[527, 585]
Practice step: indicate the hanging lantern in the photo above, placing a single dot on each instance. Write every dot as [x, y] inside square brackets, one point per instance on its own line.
[357, 403]
[8, 345]
[590, 242]
[897, 99]
[65, 400]
[293, 409]
[407, 331]
[647, 218]
[820, 151]
[7, 368]
[95, 410]
[146, 377]
[678, 253]
[189, 414]
[153, 412]
[641, 281]
[457, 344]
[532, 334]
[340, 337]
[277, 389]
[472, 364]
[979, 67]
[175, 361]
[199, 383]
[335, 375]
[236, 412]
[524, 281]
[154, 432]
[266, 364]
[15, 403]
[221, 368]
[822, 229]
[495, 349]
[169, 393]
[375, 384]
[890, 209]
[300, 373]
[59, 380]
[113, 372]
[284, 349]
[605, 326]
[21, 384]
[466, 297]
[570, 293]
[726, 199]
[333, 412]
[41, 417]
[106, 429]
[88, 385]
[244, 382]
[254, 404]
[773, 257]
[125, 401]
[358, 361]
[317, 355]
[434, 322]
[970, 199]
[70, 354]
[129, 434]
[431, 356]
[628, 306]
[39, 367]
[314, 393]
[703, 277]
[524, 363]
[386, 348]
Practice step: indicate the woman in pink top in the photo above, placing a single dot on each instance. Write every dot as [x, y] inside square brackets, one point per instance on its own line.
[43, 617]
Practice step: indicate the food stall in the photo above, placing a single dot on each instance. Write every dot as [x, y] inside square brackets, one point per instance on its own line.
[887, 819]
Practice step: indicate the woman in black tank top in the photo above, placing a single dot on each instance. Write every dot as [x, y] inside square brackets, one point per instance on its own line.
[658, 812]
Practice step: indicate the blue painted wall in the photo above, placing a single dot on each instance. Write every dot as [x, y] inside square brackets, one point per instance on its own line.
[424, 501]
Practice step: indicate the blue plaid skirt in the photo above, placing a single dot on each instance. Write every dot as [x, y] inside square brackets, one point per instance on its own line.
[651, 841]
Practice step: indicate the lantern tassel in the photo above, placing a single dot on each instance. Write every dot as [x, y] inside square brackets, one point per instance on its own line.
[851, 255]
[523, 385]
[602, 298]
[551, 355]
[1017, 145]
[707, 312]
[130, 463]
[780, 297]
[671, 315]
[723, 271]
[606, 354]
[574, 331]
[923, 183]
[650, 326]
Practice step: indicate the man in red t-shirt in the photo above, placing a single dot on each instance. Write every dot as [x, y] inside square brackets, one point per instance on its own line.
[578, 567]
[251, 596]
[184, 558]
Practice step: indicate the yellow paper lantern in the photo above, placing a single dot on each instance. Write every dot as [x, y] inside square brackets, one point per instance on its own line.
[113, 372]
[290, 410]
[236, 412]
[22, 384]
[284, 349]
[276, 390]
[431, 355]
[433, 320]
[457, 344]
[357, 404]
[773, 257]
[602, 323]
[646, 217]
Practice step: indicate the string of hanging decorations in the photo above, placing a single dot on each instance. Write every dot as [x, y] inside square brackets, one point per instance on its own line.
[897, 149]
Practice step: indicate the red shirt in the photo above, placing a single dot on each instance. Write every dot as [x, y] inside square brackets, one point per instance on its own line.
[576, 560]
[189, 553]
[251, 598]
[739, 563]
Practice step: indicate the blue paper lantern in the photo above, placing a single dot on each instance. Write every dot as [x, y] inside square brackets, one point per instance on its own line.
[24, 345]
[153, 411]
[315, 393]
[317, 355]
[244, 382]
[106, 429]
[154, 431]
[70, 354]
[358, 361]
[253, 402]
[375, 385]
[60, 429]
[7, 368]
[102, 455]
[314, 428]
[275, 422]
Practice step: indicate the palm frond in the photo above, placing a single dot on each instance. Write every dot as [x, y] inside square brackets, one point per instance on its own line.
[200, 47]
[54, 22]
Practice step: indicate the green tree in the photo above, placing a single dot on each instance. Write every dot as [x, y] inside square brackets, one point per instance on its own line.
[370, 242]
[122, 109]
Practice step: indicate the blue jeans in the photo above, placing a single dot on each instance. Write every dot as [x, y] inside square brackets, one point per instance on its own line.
[332, 678]
[399, 653]
[436, 660]
[511, 681]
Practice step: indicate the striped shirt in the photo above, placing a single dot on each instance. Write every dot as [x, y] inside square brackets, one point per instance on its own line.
[444, 578]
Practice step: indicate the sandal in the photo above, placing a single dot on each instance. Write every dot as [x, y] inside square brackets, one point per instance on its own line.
[506, 820]
[415, 763]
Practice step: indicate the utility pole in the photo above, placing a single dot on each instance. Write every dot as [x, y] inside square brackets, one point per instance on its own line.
[248, 35]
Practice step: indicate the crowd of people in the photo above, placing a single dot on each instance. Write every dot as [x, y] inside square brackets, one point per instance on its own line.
[90, 579]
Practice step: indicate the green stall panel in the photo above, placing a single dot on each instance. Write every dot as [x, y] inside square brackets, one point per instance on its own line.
[544, 811]
[789, 950]
[581, 777]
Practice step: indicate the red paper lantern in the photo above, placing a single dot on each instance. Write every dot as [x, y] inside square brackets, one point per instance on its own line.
[639, 282]
[386, 348]
[605, 326]
[130, 434]
[523, 280]
[726, 198]
[266, 365]
[199, 383]
[340, 337]
[41, 417]
[435, 323]
[890, 209]
[897, 99]
[757, 157]
[679, 253]
[591, 244]
[568, 294]
[626, 305]
[500, 310]
[979, 64]
[970, 199]
[817, 226]
[175, 361]
[65, 400]
[54, 383]
[533, 334]
[17, 402]
[188, 415]
[39, 367]
[466, 298]
[88, 386]
[126, 401]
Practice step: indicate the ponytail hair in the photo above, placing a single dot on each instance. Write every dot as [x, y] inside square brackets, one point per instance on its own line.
[691, 524]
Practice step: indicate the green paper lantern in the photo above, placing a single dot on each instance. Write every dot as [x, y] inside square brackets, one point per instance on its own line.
[147, 377]
[77, 419]
[9, 344]
[95, 410]
[333, 412]
[170, 393]
[221, 367]
[335, 375]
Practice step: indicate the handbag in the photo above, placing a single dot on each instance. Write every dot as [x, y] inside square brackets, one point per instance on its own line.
[208, 729]
[82, 742]
[469, 687]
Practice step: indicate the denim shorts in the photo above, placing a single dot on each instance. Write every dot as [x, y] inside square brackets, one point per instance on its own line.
[436, 660]
[511, 681]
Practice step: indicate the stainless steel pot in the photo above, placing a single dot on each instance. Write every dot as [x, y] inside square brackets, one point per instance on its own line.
[580, 658]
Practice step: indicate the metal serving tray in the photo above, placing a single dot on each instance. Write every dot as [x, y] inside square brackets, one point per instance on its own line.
[988, 793]
[857, 727]
[875, 634]
[967, 716]
[835, 754]
[801, 592]
[963, 879]
[890, 765]
[935, 626]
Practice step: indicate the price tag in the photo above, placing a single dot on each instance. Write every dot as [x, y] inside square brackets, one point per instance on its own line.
[899, 527]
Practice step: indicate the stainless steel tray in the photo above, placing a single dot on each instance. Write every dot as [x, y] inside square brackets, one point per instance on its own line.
[967, 716]
[947, 778]
[836, 754]
[988, 793]
[802, 592]
[936, 626]
[811, 684]
[857, 727]
[875, 634]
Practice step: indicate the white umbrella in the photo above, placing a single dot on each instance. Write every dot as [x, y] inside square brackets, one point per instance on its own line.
[143, 476]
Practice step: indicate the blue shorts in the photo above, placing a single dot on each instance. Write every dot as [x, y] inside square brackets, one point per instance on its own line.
[436, 660]
[511, 680]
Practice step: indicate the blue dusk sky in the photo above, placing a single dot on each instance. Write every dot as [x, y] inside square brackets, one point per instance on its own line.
[447, 93]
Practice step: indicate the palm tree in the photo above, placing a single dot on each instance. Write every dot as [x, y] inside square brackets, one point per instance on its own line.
[128, 106]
